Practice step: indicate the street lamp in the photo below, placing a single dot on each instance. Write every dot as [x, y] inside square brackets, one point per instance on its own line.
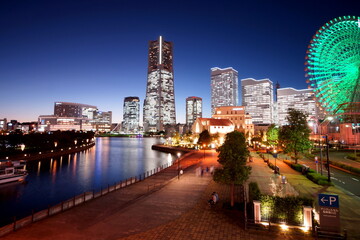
[275, 156]
[204, 150]
[178, 160]
[327, 147]
[22, 146]
[55, 144]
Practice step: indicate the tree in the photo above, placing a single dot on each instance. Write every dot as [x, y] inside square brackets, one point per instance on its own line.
[204, 138]
[232, 156]
[295, 136]
[272, 135]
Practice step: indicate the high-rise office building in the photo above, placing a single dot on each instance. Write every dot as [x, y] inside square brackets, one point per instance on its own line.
[303, 100]
[258, 99]
[159, 104]
[224, 87]
[193, 109]
[131, 117]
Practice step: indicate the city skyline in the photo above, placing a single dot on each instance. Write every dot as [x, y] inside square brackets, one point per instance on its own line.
[95, 52]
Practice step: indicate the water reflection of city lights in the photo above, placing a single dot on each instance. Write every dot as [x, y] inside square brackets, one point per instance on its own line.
[38, 170]
[51, 163]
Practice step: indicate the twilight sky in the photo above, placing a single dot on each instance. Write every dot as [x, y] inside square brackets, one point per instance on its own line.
[95, 51]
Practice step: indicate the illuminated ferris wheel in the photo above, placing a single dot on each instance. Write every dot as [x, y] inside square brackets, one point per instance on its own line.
[333, 64]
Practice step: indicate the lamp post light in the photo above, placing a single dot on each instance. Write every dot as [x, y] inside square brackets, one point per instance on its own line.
[204, 150]
[327, 147]
[275, 156]
[22, 146]
[55, 144]
[178, 160]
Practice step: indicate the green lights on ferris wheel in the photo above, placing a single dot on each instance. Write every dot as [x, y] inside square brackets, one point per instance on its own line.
[333, 62]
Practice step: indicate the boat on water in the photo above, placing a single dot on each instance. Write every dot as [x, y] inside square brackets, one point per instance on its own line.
[12, 171]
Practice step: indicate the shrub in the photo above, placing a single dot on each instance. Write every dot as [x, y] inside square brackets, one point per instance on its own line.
[318, 179]
[346, 167]
[254, 191]
[289, 209]
[351, 156]
[272, 166]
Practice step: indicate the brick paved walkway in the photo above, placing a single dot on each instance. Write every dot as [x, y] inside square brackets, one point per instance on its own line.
[177, 210]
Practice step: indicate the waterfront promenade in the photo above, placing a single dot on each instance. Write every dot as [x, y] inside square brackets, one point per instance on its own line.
[160, 207]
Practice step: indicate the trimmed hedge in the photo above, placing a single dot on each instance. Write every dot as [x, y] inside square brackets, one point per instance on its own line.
[287, 209]
[310, 174]
[346, 167]
[254, 191]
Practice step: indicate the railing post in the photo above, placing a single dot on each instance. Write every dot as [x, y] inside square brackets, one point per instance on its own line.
[108, 188]
[48, 212]
[74, 201]
[84, 196]
[32, 215]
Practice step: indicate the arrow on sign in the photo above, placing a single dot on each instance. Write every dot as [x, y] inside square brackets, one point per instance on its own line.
[324, 200]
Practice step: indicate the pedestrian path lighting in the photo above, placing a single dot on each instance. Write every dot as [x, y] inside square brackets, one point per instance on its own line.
[204, 150]
[178, 160]
[275, 156]
[22, 146]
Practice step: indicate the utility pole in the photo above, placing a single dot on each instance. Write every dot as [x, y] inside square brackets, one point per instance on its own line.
[327, 157]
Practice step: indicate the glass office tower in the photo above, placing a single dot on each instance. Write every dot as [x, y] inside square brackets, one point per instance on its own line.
[159, 104]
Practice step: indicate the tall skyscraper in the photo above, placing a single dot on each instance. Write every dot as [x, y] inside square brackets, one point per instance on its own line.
[303, 100]
[159, 104]
[224, 87]
[193, 109]
[131, 117]
[258, 99]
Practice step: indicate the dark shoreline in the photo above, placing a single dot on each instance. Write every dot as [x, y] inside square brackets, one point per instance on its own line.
[43, 155]
[172, 150]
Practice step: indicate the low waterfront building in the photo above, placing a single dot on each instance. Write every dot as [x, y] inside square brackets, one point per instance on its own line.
[75, 116]
[213, 126]
[237, 115]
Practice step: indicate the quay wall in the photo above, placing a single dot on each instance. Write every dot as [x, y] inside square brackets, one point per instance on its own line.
[50, 154]
[172, 150]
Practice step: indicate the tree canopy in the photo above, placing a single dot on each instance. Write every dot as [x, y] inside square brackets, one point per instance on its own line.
[204, 138]
[272, 135]
[232, 156]
[295, 136]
